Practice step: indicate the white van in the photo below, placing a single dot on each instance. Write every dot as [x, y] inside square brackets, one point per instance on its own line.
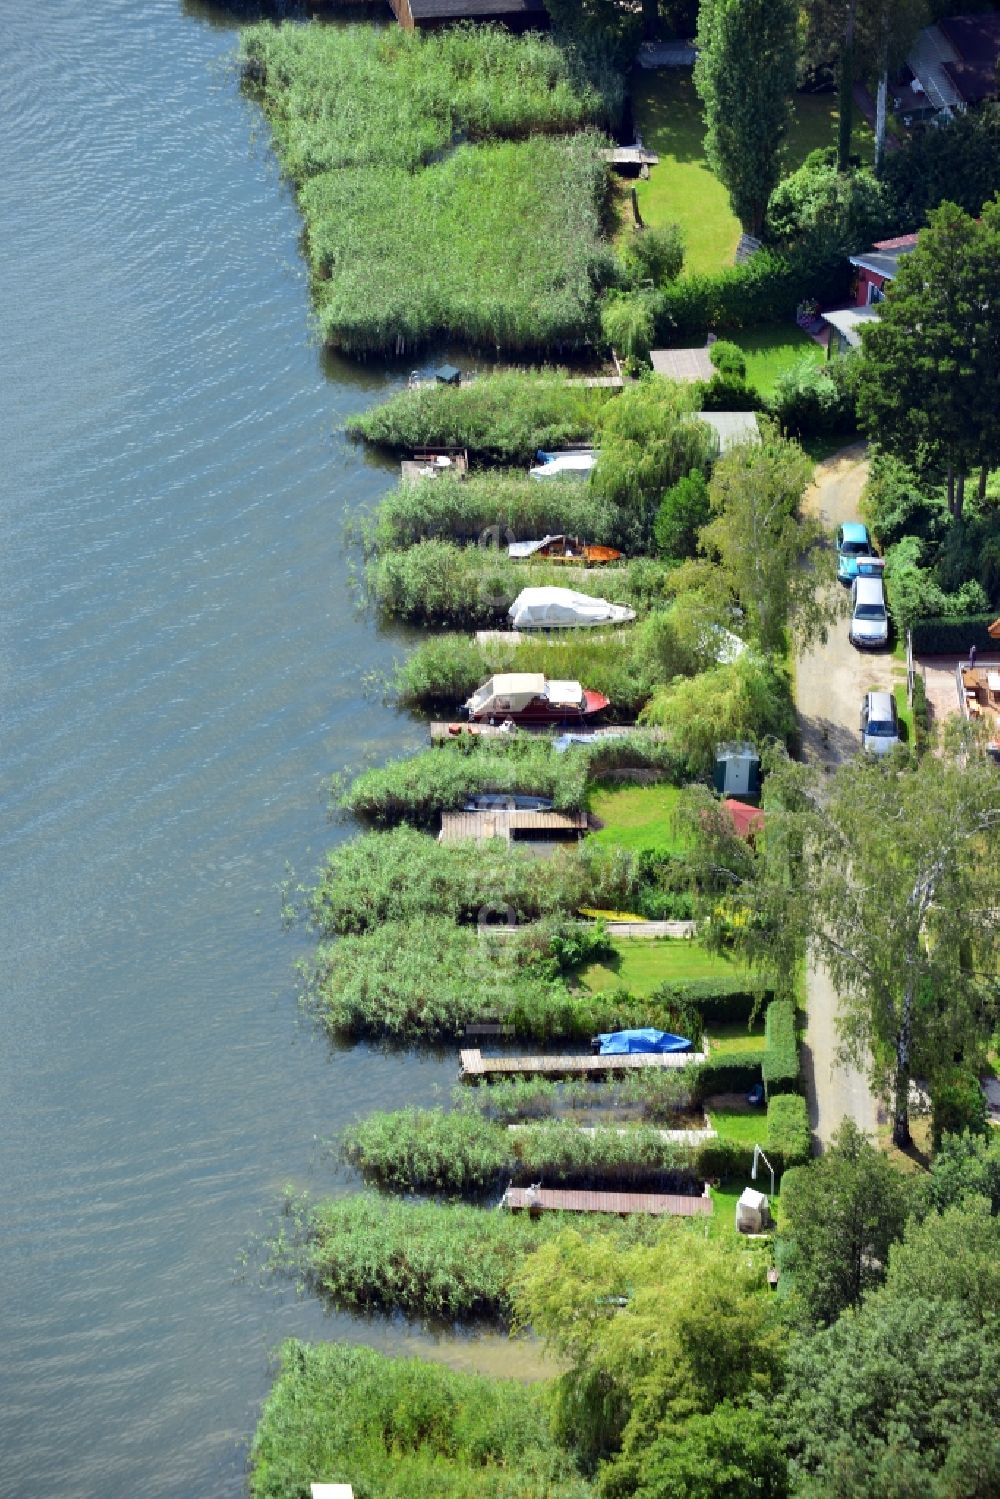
[869, 621]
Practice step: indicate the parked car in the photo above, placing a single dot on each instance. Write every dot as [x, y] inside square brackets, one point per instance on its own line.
[853, 542]
[869, 620]
[879, 723]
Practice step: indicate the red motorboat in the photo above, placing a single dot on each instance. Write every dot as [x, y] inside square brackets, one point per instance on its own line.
[531, 697]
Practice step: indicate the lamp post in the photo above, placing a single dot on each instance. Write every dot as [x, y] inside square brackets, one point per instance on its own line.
[758, 1155]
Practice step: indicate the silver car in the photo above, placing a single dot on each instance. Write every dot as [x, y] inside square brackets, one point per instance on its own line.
[869, 620]
[879, 723]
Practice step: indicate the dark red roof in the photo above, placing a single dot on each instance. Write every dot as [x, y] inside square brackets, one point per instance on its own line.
[976, 39]
[747, 820]
[901, 242]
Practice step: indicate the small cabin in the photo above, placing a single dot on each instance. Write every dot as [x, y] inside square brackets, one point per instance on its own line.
[737, 771]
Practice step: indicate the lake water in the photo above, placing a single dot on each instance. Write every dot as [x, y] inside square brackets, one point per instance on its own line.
[182, 667]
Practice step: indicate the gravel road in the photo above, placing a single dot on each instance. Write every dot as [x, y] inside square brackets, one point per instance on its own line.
[831, 680]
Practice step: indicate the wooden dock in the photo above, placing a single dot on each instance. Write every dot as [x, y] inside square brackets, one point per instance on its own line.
[659, 1204]
[426, 463]
[475, 1065]
[475, 827]
[441, 733]
[630, 156]
[691, 1137]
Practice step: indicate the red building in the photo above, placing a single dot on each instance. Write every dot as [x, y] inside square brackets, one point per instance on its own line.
[878, 265]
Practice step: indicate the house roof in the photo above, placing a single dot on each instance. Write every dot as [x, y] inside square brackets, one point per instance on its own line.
[746, 820]
[849, 321]
[733, 428]
[883, 260]
[976, 42]
[901, 242]
[457, 10]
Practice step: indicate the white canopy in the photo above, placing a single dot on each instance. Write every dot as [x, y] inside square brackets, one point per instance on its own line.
[529, 548]
[511, 692]
[563, 609]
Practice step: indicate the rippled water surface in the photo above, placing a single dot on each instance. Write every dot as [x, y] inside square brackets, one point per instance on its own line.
[181, 668]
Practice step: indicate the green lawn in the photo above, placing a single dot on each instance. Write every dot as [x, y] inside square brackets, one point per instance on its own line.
[635, 816]
[745, 1126]
[682, 188]
[773, 348]
[641, 966]
[735, 1038]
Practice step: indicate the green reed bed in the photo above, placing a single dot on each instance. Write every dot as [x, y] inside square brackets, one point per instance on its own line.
[398, 1428]
[493, 508]
[463, 1154]
[427, 979]
[496, 246]
[402, 874]
[423, 1259]
[421, 787]
[441, 674]
[500, 418]
[660, 1097]
[359, 96]
[440, 583]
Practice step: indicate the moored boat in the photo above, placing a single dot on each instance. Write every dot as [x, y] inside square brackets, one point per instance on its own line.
[560, 548]
[562, 609]
[532, 698]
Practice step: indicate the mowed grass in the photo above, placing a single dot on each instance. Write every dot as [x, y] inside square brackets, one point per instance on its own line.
[771, 349]
[734, 1038]
[641, 966]
[636, 817]
[683, 189]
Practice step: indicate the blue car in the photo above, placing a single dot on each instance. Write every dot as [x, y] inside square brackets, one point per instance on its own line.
[853, 542]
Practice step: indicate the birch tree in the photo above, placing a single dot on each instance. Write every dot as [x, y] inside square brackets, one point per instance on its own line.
[891, 870]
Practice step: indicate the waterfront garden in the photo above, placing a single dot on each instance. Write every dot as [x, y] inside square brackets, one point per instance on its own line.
[474, 205]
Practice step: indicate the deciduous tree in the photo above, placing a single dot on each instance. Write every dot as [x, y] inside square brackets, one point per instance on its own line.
[745, 76]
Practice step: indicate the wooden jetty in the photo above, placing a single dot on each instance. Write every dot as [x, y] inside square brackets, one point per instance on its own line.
[631, 157]
[599, 382]
[441, 733]
[426, 463]
[475, 827]
[475, 1065]
[668, 1136]
[659, 1204]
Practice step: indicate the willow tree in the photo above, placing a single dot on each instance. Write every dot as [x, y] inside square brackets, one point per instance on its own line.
[891, 870]
[745, 77]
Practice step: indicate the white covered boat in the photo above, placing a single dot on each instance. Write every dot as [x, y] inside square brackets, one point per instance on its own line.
[533, 698]
[569, 462]
[563, 609]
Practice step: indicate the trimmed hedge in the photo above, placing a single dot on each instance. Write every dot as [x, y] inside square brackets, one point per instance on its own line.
[766, 288]
[720, 1000]
[952, 636]
[735, 1073]
[788, 1132]
[781, 1052]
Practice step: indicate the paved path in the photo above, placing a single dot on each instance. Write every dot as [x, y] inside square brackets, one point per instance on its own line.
[830, 682]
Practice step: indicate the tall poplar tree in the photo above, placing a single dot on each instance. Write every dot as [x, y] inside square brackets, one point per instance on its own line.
[745, 77]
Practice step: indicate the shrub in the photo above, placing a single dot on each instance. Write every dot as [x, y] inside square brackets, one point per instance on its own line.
[921, 714]
[399, 1427]
[830, 212]
[958, 1105]
[781, 1051]
[627, 325]
[422, 1259]
[952, 637]
[728, 393]
[735, 1073]
[655, 254]
[807, 401]
[494, 507]
[504, 418]
[683, 511]
[788, 1132]
[729, 359]
[418, 789]
[896, 503]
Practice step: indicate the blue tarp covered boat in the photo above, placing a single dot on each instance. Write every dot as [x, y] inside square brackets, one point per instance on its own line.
[622, 1043]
